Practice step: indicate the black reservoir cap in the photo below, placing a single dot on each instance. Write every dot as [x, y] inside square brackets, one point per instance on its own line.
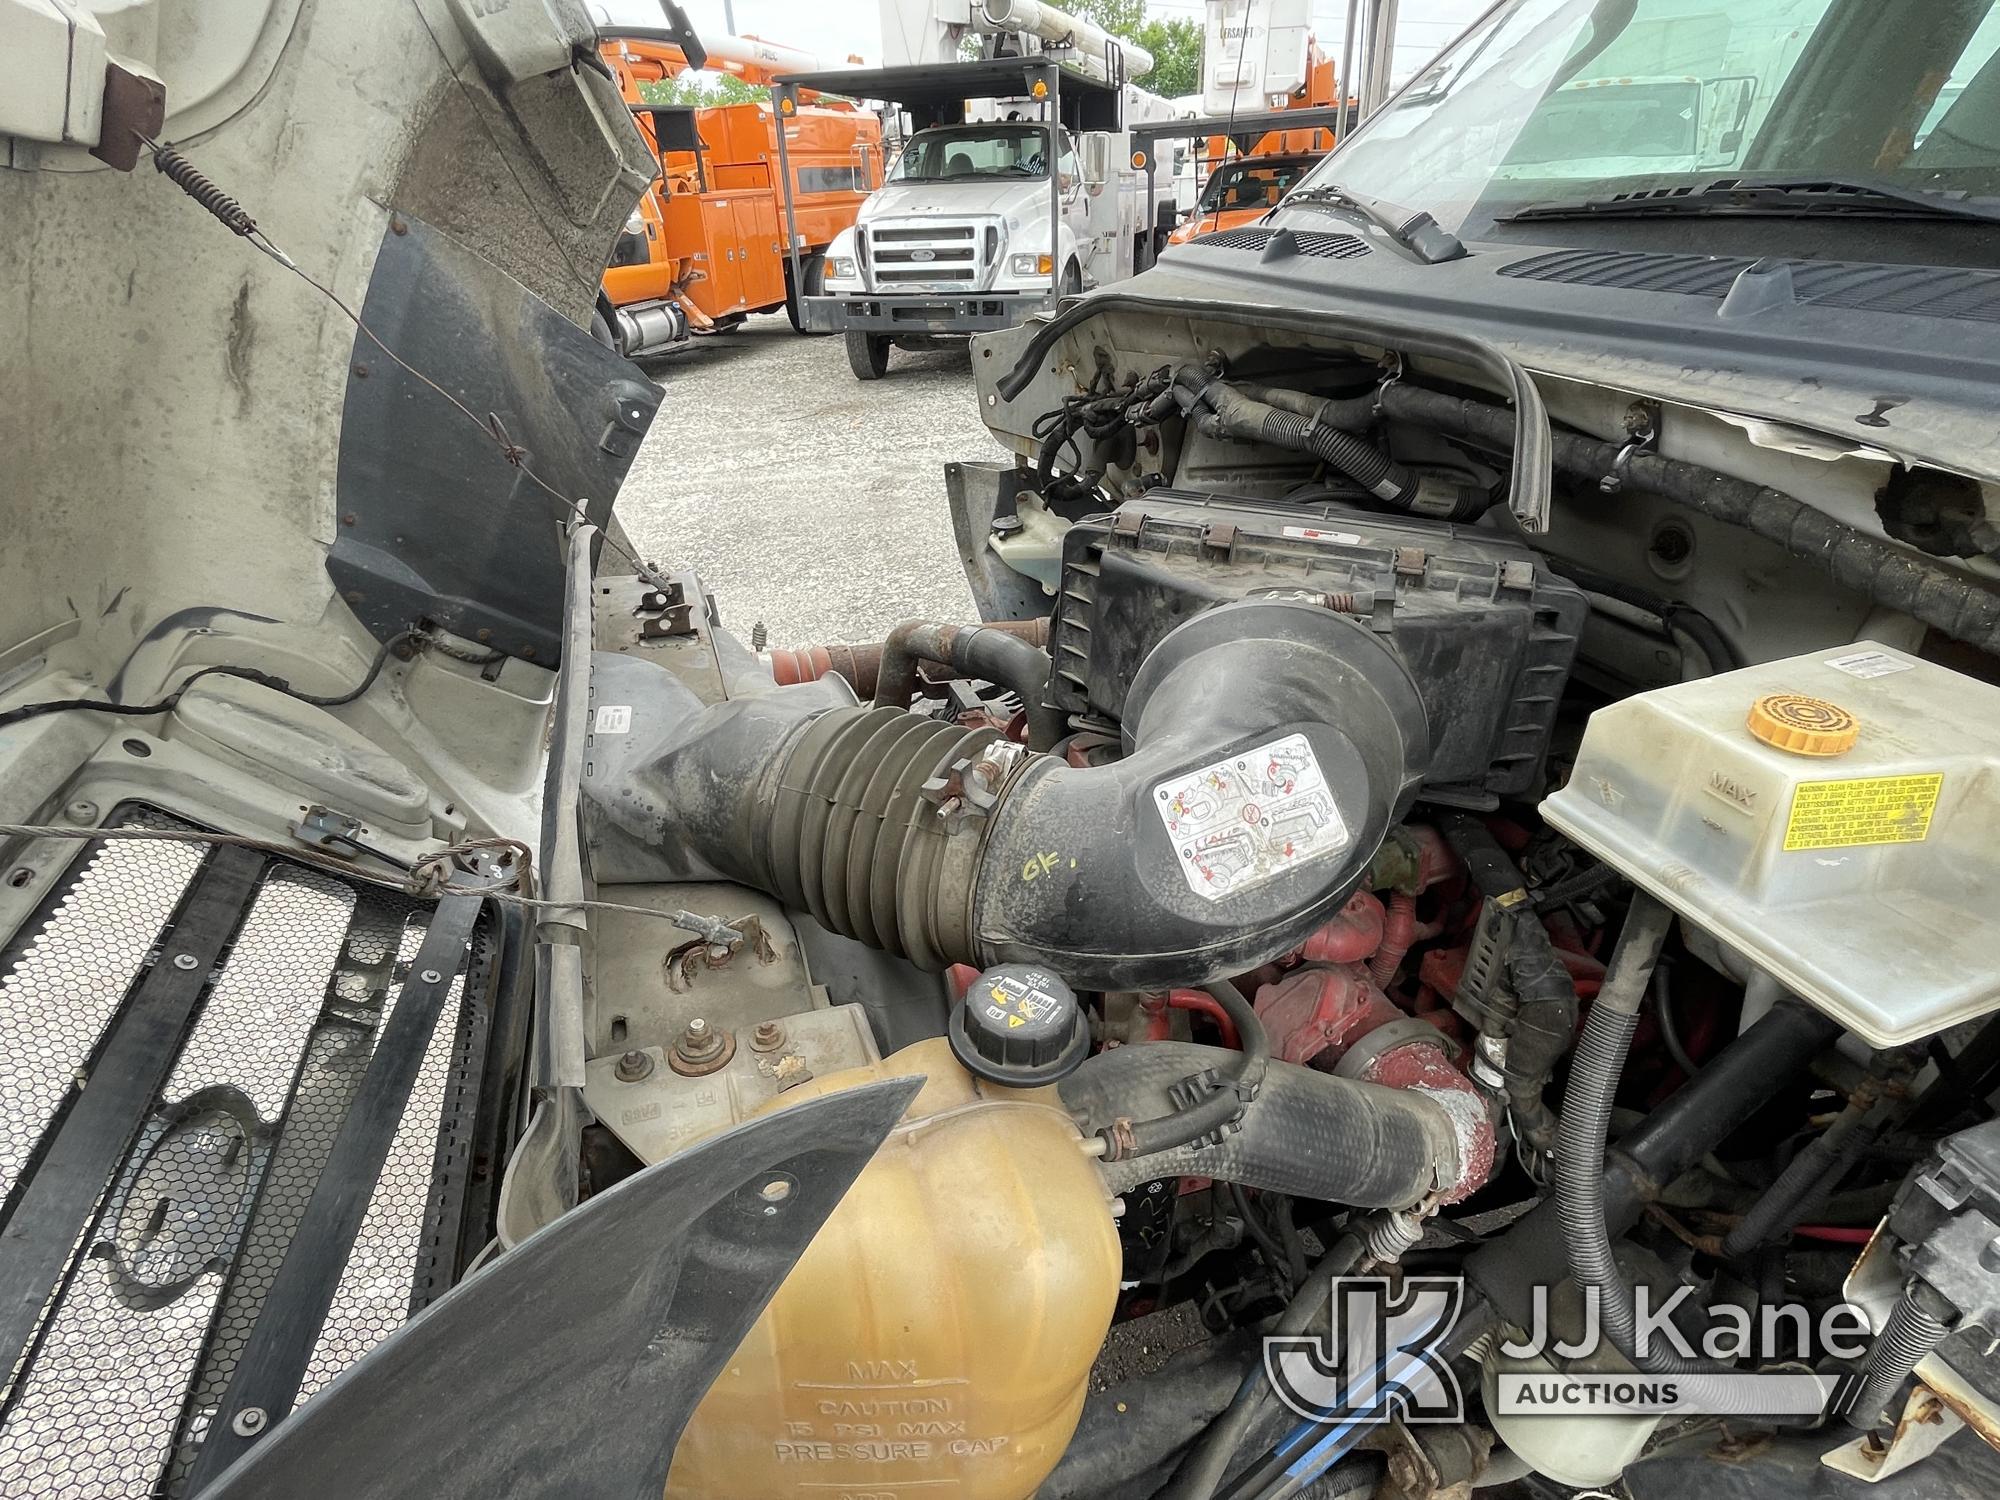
[1019, 1024]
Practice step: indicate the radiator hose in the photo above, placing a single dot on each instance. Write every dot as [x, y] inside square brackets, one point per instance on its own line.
[1269, 746]
[1309, 1135]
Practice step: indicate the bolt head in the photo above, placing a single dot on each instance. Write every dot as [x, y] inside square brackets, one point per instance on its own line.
[249, 1421]
[81, 812]
[186, 961]
[633, 1066]
[697, 1027]
[430, 976]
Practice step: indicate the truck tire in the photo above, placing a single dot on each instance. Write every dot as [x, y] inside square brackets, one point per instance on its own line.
[868, 355]
[812, 270]
[1072, 280]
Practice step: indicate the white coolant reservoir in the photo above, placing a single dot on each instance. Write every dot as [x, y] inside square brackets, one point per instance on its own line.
[1836, 817]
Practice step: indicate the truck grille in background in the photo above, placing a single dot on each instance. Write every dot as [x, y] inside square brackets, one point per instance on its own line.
[944, 256]
[169, 1276]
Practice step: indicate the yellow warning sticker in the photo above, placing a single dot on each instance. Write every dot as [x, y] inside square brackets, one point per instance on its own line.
[1867, 810]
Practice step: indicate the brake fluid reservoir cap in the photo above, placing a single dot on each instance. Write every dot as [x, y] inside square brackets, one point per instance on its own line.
[1802, 725]
[1019, 1024]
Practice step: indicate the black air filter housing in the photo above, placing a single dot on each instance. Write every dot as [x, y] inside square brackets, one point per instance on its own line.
[1487, 632]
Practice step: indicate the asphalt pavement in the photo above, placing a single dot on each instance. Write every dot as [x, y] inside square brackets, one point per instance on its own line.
[804, 497]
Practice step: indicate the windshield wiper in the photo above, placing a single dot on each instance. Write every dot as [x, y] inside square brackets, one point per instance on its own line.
[1786, 197]
[1413, 229]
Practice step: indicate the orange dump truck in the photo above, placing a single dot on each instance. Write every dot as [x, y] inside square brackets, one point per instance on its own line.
[706, 247]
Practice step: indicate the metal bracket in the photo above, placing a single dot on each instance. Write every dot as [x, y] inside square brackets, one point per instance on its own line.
[665, 613]
[1641, 432]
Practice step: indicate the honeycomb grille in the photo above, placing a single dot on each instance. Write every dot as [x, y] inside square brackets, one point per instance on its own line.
[373, 1299]
[63, 985]
[138, 1349]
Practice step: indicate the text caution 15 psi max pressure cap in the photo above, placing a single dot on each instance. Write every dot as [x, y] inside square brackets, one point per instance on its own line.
[1019, 1024]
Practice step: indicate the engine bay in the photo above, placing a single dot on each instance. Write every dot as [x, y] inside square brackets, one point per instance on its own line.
[1233, 872]
[1434, 929]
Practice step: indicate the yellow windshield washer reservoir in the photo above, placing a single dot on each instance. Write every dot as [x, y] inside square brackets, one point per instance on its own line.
[935, 1341]
[1834, 817]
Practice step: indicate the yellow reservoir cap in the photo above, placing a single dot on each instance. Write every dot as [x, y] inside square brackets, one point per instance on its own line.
[1802, 725]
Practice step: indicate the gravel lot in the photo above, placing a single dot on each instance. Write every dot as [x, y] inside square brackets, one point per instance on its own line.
[803, 497]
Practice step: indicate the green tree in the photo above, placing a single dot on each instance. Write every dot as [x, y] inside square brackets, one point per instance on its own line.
[1175, 44]
[701, 90]
[1176, 49]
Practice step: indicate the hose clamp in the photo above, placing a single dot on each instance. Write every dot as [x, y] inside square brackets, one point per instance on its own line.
[1641, 432]
[1393, 361]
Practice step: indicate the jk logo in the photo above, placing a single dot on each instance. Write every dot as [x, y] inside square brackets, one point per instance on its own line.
[1379, 1357]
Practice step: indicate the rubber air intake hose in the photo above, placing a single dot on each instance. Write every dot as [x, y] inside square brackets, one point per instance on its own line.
[1310, 1134]
[1269, 747]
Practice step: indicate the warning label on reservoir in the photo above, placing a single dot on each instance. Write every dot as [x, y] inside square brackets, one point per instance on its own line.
[1868, 810]
[1250, 818]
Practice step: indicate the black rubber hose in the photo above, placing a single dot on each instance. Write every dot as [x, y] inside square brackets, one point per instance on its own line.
[1580, 1142]
[1528, 479]
[1202, 1472]
[1958, 605]
[1811, 1173]
[1583, 884]
[1231, 413]
[1310, 1134]
[1694, 1120]
[1349, 413]
[1224, 1102]
[977, 652]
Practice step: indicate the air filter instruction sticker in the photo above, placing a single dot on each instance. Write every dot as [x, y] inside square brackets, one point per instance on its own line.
[1866, 810]
[1248, 819]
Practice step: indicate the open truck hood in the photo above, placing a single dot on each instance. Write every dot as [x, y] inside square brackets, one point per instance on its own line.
[189, 426]
[205, 467]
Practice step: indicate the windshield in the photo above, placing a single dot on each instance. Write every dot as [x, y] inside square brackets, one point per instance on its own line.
[1010, 151]
[1251, 184]
[1556, 101]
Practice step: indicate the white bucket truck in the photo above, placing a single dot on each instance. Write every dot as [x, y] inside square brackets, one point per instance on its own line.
[1016, 185]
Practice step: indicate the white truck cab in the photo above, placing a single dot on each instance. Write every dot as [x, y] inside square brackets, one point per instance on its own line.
[966, 208]
[1016, 188]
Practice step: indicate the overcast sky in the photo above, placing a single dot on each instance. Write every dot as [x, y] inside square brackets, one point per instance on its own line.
[834, 29]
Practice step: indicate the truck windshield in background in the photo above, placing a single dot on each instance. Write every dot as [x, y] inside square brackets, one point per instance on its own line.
[1252, 184]
[1012, 151]
[1547, 105]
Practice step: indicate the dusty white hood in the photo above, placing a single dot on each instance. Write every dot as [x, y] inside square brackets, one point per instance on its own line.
[1007, 197]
